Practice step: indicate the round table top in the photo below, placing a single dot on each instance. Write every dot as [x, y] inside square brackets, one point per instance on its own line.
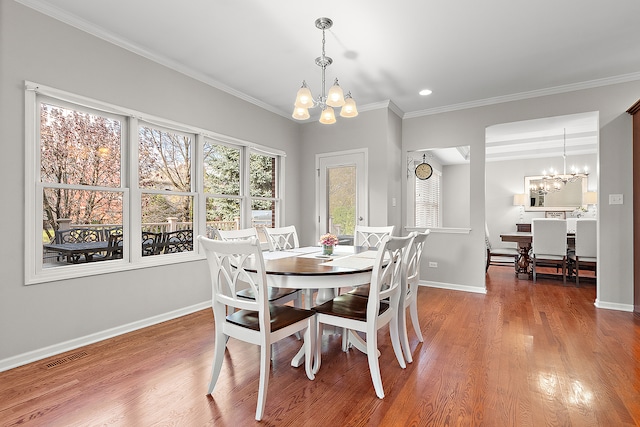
[307, 263]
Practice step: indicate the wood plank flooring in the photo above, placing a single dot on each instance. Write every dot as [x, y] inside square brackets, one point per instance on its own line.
[521, 355]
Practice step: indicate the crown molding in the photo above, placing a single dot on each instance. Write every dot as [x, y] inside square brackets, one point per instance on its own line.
[527, 95]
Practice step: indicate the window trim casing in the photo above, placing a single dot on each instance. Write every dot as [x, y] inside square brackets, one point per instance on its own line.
[34, 273]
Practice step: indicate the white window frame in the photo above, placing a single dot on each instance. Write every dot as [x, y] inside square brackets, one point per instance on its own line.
[132, 259]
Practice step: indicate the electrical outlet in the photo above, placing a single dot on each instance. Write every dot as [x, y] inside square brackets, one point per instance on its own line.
[433, 264]
[615, 199]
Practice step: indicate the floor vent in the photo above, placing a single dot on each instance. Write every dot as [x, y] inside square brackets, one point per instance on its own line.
[69, 358]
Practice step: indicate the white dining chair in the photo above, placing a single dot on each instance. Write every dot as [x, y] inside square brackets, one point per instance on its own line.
[282, 238]
[275, 295]
[549, 244]
[410, 291]
[286, 238]
[498, 256]
[368, 236]
[586, 245]
[368, 315]
[253, 321]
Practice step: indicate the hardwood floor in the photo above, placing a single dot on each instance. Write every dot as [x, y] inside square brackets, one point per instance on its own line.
[521, 355]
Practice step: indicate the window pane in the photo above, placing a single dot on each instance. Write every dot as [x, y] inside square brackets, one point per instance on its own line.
[170, 217]
[73, 218]
[79, 148]
[79, 207]
[428, 201]
[262, 171]
[222, 214]
[164, 160]
[221, 169]
[341, 198]
[263, 214]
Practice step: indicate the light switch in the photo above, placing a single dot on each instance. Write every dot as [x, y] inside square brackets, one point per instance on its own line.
[615, 199]
[393, 202]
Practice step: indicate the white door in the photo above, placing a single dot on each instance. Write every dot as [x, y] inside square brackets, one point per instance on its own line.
[341, 193]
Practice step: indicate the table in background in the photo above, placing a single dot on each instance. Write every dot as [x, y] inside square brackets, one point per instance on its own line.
[524, 240]
[73, 251]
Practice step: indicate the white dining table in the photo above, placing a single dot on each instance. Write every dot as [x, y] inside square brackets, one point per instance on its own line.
[306, 268]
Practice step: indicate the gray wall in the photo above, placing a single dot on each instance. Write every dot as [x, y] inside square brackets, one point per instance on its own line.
[467, 127]
[40, 49]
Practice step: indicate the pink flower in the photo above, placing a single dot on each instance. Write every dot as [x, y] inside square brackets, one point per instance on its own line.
[328, 239]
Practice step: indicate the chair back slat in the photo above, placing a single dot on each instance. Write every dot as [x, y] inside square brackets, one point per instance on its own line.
[228, 263]
[413, 260]
[244, 234]
[388, 271]
[282, 238]
[371, 236]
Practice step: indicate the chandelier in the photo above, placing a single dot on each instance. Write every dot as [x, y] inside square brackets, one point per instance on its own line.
[335, 97]
[554, 180]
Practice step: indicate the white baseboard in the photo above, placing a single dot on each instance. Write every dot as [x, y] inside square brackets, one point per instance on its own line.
[453, 287]
[614, 306]
[35, 355]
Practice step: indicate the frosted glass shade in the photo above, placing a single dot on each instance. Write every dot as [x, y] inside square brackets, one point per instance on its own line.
[304, 99]
[349, 108]
[327, 117]
[335, 97]
[300, 113]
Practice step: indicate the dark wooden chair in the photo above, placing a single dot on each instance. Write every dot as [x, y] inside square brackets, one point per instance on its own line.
[177, 241]
[499, 256]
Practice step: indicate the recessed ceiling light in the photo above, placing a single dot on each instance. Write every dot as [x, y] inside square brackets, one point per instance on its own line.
[425, 92]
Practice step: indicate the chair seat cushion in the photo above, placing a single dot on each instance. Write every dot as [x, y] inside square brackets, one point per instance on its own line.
[348, 306]
[274, 293]
[281, 317]
[548, 257]
[583, 258]
[361, 291]
[505, 252]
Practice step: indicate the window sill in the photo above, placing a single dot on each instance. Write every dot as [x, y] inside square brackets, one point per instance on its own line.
[70, 272]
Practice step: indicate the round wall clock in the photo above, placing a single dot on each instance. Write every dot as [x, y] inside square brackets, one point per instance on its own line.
[424, 169]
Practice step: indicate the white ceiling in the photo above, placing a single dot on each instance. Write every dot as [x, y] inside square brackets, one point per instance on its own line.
[467, 52]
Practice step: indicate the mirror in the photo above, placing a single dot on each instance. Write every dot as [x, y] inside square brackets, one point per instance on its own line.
[443, 199]
[545, 195]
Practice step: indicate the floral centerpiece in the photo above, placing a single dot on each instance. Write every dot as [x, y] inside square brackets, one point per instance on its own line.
[328, 241]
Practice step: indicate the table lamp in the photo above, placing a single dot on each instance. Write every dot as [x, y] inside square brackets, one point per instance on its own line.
[590, 198]
[520, 200]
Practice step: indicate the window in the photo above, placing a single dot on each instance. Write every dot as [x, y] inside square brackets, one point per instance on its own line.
[442, 200]
[167, 198]
[428, 201]
[114, 185]
[263, 191]
[80, 152]
[222, 186]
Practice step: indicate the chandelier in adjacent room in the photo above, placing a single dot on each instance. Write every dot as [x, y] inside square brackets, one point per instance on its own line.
[553, 180]
[335, 97]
